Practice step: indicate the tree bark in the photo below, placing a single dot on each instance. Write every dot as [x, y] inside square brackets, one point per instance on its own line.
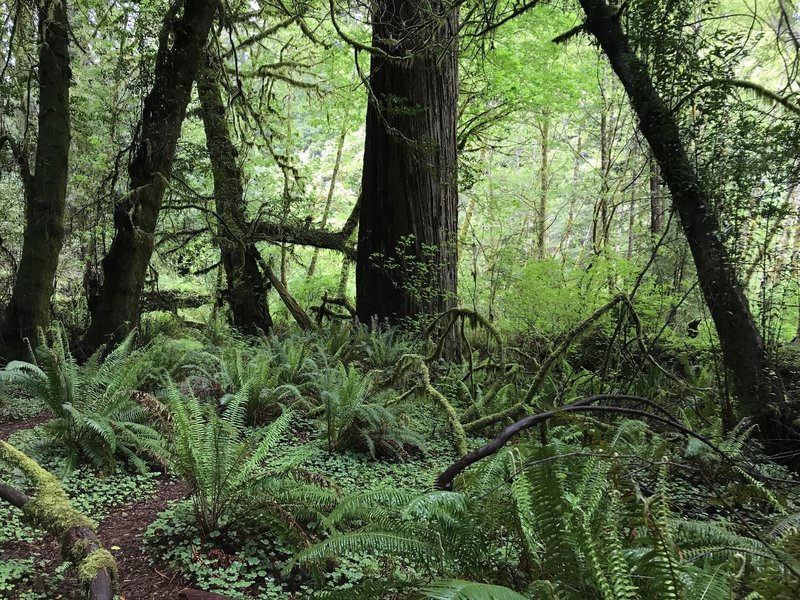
[329, 199]
[544, 185]
[180, 50]
[301, 235]
[757, 387]
[246, 284]
[45, 190]
[407, 242]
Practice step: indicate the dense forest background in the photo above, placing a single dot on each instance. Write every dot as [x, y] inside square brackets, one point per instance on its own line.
[446, 300]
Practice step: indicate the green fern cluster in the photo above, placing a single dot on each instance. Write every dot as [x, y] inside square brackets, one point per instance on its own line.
[232, 470]
[96, 419]
[356, 419]
[573, 518]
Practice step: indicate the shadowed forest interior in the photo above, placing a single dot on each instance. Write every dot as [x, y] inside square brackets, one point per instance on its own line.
[399, 299]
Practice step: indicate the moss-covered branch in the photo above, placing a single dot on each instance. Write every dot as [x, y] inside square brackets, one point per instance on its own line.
[414, 363]
[545, 367]
[49, 509]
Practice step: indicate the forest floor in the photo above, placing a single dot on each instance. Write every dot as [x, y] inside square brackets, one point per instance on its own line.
[121, 531]
[125, 505]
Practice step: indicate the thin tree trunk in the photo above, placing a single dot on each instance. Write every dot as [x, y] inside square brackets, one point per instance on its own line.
[180, 50]
[246, 285]
[468, 212]
[45, 191]
[576, 180]
[329, 200]
[544, 184]
[758, 389]
[656, 207]
[407, 241]
[631, 219]
[344, 275]
[600, 224]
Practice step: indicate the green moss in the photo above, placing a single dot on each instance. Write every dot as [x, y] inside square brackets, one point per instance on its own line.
[94, 563]
[49, 509]
[414, 363]
[74, 552]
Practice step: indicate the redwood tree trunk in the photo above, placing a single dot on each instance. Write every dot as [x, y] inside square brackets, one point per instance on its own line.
[407, 239]
[45, 191]
[181, 42]
[246, 285]
[758, 389]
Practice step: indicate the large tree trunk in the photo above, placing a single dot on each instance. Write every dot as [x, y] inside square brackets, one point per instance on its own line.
[246, 285]
[407, 235]
[758, 389]
[45, 191]
[180, 49]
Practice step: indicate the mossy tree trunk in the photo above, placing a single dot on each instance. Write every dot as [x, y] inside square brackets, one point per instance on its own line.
[408, 226]
[45, 190]
[246, 284]
[181, 42]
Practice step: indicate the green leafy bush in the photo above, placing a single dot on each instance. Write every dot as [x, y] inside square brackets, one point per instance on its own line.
[355, 419]
[96, 419]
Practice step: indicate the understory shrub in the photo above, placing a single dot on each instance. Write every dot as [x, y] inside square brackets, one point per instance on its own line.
[96, 419]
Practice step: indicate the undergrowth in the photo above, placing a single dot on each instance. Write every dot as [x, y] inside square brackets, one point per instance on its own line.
[312, 462]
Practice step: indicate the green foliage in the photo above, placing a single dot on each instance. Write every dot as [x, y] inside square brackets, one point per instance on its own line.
[96, 419]
[230, 470]
[355, 419]
[566, 517]
[456, 589]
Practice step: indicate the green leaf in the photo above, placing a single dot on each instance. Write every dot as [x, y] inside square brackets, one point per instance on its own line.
[458, 589]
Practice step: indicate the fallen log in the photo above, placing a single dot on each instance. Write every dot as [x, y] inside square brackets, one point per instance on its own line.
[292, 305]
[49, 509]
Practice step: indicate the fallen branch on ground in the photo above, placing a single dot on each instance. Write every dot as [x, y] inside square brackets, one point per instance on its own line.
[50, 509]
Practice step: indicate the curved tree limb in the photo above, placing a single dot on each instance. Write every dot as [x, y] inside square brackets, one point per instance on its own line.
[445, 480]
[303, 236]
[757, 89]
[545, 367]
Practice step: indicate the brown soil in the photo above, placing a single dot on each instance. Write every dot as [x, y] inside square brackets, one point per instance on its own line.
[9, 428]
[124, 529]
[121, 532]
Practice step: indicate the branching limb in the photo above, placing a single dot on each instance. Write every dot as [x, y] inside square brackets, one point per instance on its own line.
[445, 480]
[544, 369]
[757, 89]
[414, 363]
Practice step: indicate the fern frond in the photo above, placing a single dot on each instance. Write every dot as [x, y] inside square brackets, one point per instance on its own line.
[457, 589]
